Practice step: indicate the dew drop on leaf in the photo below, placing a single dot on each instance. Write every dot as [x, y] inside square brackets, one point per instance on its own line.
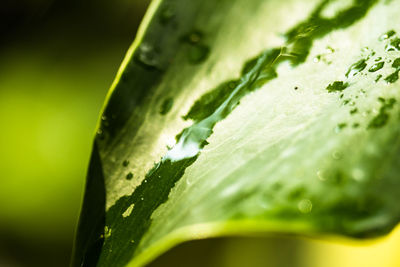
[340, 127]
[128, 211]
[337, 155]
[167, 13]
[197, 50]
[357, 174]
[146, 56]
[198, 53]
[317, 58]
[387, 35]
[107, 231]
[129, 176]
[330, 50]
[393, 45]
[305, 206]
[377, 66]
[356, 68]
[321, 175]
[166, 105]
[195, 37]
[354, 111]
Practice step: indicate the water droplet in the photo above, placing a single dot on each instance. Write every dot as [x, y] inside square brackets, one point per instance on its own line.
[107, 231]
[387, 35]
[125, 163]
[365, 49]
[330, 50]
[346, 101]
[317, 58]
[195, 37]
[128, 211]
[167, 13]
[197, 50]
[141, 199]
[340, 127]
[166, 105]
[198, 53]
[147, 56]
[354, 111]
[382, 100]
[129, 176]
[377, 66]
[145, 180]
[337, 155]
[305, 206]
[378, 59]
[394, 45]
[356, 68]
[357, 174]
[100, 134]
[104, 121]
[321, 175]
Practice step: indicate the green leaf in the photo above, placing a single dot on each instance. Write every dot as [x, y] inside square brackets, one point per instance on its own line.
[239, 117]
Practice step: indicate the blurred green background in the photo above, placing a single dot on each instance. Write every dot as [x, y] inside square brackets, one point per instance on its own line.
[57, 61]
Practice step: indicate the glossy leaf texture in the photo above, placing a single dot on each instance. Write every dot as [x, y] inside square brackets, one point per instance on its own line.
[247, 116]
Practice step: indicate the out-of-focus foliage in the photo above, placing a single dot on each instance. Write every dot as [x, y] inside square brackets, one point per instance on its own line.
[58, 59]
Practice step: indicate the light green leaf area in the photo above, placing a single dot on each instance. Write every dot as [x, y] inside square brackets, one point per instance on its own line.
[242, 117]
